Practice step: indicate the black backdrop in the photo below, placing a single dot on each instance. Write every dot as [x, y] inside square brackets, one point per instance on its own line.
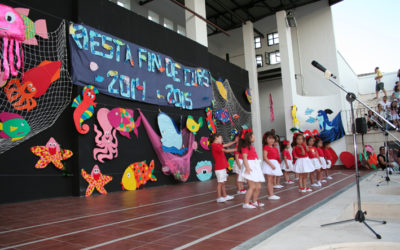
[20, 181]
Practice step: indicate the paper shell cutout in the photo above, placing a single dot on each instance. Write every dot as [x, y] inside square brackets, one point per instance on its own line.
[223, 115]
[122, 120]
[210, 121]
[171, 137]
[106, 142]
[84, 108]
[247, 93]
[51, 153]
[192, 125]
[137, 174]
[178, 166]
[96, 181]
[203, 170]
[13, 126]
[204, 143]
[221, 89]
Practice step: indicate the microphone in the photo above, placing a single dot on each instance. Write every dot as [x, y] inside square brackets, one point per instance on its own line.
[323, 69]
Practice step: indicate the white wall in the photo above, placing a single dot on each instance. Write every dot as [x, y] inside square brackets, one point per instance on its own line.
[367, 83]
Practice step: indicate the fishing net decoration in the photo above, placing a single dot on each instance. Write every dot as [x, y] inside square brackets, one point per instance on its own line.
[233, 107]
[58, 96]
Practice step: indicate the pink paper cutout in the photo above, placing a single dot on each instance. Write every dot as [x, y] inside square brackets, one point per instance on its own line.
[271, 108]
[106, 142]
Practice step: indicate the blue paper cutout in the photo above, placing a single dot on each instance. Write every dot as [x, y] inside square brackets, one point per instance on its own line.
[204, 170]
[99, 78]
[309, 111]
[330, 130]
[311, 119]
[171, 137]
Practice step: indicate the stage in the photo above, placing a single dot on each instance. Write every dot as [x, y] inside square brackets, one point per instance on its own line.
[178, 216]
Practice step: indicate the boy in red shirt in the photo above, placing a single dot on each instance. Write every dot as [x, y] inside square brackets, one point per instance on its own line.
[218, 151]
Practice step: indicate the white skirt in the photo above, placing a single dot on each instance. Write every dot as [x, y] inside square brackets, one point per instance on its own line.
[328, 164]
[324, 166]
[237, 170]
[266, 169]
[255, 174]
[289, 168]
[303, 165]
[316, 163]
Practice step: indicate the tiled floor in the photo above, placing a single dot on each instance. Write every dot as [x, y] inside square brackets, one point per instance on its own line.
[158, 218]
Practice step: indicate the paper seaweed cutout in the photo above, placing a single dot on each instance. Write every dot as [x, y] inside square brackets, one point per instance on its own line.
[204, 143]
[51, 153]
[13, 126]
[122, 120]
[247, 92]
[330, 130]
[35, 83]
[203, 170]
[106, 142]
[12, 30]
[210, 121]
[178, 166]
[96, 180]
[221, 89]
[171, 137]
[296, 122]
[39, 27]
[192, 125]
[137, 174]
[84, 108]
[223, 115]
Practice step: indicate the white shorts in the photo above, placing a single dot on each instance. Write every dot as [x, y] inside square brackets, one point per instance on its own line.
[323, 162]
[266, 169]
[221, 175]
[289, 168]
[235, 168]
[255, 174]
[328, 164]
[317, 165]
[303, 165]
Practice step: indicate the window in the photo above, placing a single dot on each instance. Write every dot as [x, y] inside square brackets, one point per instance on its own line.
[181, 30]
[259, 61]
[168, 24]
[273, 57]
[257, 42]
[152, 16]
[273, 38]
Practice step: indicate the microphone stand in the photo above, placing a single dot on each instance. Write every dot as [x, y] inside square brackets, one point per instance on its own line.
[351, 97]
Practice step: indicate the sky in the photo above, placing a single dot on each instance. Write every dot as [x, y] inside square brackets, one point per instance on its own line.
[368, 34]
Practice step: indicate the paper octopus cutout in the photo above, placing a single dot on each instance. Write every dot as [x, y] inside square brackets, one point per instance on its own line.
[106, 142]
[51, 153]
[96, 180]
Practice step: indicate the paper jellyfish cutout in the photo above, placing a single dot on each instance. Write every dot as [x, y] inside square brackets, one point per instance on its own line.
[211, 121]
[122, 120]
[204, 170]
[176, 165]
[192, 125]
[221, 89]
[171, 137]
[96, 181]
[84, 108]
[13, 126]
[51, 153]
[106, 141]
[137, 174]
[204, 143]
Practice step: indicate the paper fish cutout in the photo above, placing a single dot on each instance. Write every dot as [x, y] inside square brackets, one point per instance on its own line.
[13, 126]
[210, 121]
[247, 92]
[106, 142]
[122, 120]
[235, 116]
[311, 119]
[84, 108]
[231, 160]
[39, 27]
[221, 89]
[161, 69]
[96, 180]
[192, 125]
[223, 115]
[296, 122]
[203, 170]
[137, 174]
[171, 137]
[35, 83]
[159, 96]
[107, 46]
[309, 111]
[99, 78]
[204, 143]
[51, 153]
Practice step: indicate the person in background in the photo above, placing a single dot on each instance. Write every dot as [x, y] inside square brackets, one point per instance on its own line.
[379, 84]
[398, 74]
[385, 103]
[277, 179]
[271, 163]
[396, 93]
[286, 164]
[236, 168]
[328, 158]
[381, 112]
[392, 160]
[303, 164]
[382, 163]
[370, 117]
[393, 116]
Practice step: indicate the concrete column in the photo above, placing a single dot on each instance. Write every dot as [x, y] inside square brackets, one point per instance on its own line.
[196, 29]
[251, 67]
[287, 69]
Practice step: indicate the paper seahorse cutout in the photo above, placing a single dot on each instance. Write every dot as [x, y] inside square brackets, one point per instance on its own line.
[84, 108]
[210, 121]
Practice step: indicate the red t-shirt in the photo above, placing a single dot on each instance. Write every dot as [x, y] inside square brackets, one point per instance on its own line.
[286, 154]
[312, 152]
[327, 154]
[320, 152]
[299, 153]
[273, 153]
[251, 153]
[219, 156]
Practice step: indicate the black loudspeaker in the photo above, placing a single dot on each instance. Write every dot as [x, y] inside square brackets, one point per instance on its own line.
[361, 125]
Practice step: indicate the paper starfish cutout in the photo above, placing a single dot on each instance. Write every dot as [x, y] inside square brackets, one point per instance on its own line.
[51, 153]
[96, 180]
